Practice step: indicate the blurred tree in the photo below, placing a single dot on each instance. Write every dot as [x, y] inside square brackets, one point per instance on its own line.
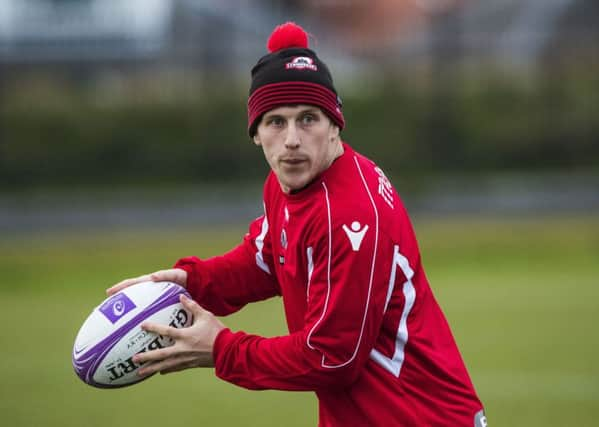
[443, 136]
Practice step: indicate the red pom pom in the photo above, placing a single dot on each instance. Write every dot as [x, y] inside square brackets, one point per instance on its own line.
[287, 35]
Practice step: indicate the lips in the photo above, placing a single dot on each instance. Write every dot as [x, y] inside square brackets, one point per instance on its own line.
[293, 160]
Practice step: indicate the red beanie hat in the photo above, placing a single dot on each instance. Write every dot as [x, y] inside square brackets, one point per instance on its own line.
[291, 74]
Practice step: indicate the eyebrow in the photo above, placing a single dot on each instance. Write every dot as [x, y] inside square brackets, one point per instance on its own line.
[312, 110]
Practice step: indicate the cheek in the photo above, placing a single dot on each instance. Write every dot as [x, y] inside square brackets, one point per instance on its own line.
[269, 155]
[323, 153]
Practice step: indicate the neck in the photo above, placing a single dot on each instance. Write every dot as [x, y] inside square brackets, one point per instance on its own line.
[337, 152]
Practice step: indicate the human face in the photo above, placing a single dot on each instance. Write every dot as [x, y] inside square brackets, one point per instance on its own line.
[299, 142]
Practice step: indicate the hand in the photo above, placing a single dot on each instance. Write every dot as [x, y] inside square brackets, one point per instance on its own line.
[175, 275]
[193, 345]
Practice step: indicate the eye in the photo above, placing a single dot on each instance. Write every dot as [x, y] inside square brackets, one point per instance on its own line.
[309, 118]
[275, 121]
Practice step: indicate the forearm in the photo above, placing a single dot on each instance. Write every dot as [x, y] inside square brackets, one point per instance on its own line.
[226, 283]
[280, 363]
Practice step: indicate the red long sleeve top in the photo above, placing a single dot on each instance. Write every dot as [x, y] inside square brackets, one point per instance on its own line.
[365, 331]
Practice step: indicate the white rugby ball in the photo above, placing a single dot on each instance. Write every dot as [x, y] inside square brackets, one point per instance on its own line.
[111, 335]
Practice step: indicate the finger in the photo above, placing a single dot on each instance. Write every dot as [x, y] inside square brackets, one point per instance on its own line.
[184, 363]
[154, 355]
[173, 370]
[147, 370]
[195, 360]
[173, 363]
[175, 275]
[164, 330]
[126, 283]
[191, 305]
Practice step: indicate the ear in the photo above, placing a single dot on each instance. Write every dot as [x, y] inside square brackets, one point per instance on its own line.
[334, 132]
[257, 140]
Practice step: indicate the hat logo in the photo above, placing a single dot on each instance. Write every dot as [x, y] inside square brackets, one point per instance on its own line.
[301, 63]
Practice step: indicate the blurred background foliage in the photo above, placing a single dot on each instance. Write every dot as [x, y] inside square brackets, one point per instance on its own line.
[103, 93]
[54, 134]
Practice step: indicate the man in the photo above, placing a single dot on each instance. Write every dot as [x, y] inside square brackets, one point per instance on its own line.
[365, 332]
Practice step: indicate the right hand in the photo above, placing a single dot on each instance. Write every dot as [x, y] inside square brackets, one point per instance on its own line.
[175, 275]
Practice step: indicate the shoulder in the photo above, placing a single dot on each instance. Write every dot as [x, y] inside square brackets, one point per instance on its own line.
[361, 194]
[355, 186]
[346, 204]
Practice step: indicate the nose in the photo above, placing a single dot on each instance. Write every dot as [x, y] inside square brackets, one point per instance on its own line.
[292, 138]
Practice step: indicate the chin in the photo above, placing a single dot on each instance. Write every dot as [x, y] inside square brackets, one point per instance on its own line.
[293, 181]
[295, 184]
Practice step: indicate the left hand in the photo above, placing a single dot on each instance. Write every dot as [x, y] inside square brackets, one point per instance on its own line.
[176, 275]
[193, 345]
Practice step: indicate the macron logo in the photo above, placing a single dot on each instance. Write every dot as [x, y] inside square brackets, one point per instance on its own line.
[355, 234]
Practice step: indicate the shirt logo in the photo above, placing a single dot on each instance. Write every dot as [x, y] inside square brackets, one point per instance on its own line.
[301, 63]
[355, 234]
[385, 187]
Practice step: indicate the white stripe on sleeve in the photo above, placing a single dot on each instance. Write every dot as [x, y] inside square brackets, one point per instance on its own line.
[260, 245]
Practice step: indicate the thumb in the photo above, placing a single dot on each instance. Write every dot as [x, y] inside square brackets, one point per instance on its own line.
[175, 275]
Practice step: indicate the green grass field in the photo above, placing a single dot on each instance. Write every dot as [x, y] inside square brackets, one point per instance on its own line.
[521, 295]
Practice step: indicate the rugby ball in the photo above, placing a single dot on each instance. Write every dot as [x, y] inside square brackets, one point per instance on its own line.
[111, 335]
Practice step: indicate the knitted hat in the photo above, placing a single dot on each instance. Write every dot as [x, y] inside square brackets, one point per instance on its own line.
[291, 74]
